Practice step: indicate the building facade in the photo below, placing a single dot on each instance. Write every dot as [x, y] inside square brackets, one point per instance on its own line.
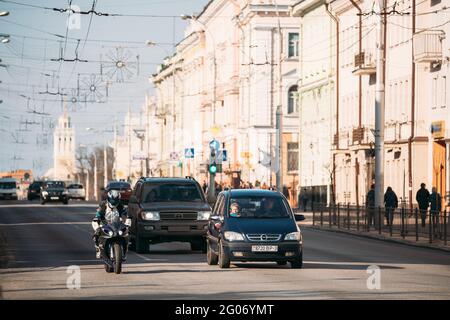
[64, 149]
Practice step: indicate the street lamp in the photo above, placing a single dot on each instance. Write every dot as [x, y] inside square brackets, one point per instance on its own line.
[4, 38]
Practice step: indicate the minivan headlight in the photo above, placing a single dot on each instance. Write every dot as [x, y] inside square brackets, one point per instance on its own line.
[151, 216]
[293, 236]
[233, 236]
[203, 215]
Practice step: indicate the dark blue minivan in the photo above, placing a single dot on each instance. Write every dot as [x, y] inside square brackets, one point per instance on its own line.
[253, 225]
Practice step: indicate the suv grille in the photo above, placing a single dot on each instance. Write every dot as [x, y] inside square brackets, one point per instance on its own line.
[178, 215]
[263, 237]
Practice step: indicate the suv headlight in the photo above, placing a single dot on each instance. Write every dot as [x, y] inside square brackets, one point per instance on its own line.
[44, 193]
[65, 192]
[293, 236]
[203, 215]
[151, 216]
[233, 236]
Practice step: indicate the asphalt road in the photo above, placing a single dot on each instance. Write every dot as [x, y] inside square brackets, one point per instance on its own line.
[41, 242]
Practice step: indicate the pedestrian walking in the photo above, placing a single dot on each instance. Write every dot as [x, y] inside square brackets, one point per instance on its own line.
[370, 206]
[423, 200]
[304, 200]
[390, 204]
[435, 208]
[204, 186]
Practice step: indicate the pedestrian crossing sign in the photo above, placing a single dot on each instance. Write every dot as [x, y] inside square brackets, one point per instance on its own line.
[189, 153]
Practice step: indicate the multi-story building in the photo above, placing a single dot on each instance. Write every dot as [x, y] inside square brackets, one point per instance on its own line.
[431, 54]
[224, 79]
[64, 149]
[131, 151]
[269, 51]
[317, 99]
[416, 69]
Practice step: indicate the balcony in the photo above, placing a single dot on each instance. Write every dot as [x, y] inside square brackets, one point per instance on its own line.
[364, 64]
[358, 135]
[428, 46]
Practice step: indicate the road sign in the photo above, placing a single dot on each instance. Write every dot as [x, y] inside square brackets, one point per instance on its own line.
[224, 155]
[174, 156]
[189, 153]
[214, 144]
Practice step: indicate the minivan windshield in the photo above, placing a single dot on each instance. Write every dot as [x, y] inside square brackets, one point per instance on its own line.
[7, 185]
[257, 207]
[119, 186]
[166, 192]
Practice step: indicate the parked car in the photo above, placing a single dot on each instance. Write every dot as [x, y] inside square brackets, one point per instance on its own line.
[34, 190]
[76, 191]
[168, 209]
[123, 187]
[54, 191]
[254, 225]
[8, 189]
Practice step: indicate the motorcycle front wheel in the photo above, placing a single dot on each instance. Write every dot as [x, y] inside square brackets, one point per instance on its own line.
[117, 258]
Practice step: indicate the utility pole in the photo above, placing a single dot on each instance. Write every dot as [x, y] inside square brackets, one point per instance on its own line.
[105, 164]
[114, 173]
[278, 150]
[87, 186]
[279, 112]
[95, 176]
[379, 108]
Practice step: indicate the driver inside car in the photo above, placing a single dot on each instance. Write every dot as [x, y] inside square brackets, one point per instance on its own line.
[235, 210]
[112, 202]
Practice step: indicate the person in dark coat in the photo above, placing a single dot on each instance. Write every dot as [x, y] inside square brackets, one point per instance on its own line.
[370, 206]
[304, 200]
[423, 200]
[435, 208]
[390, 204]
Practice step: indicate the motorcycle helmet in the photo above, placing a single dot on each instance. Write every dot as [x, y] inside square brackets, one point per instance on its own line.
[113, 198]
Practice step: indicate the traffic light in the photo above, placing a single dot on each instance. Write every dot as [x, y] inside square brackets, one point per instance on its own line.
[212, 168]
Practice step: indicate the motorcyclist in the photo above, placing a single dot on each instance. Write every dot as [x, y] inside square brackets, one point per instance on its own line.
[112, 202]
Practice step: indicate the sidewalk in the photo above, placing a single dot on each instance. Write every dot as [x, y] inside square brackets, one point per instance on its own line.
[373, 234]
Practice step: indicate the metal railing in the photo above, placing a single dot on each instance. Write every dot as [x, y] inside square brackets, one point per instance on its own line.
[412, 224]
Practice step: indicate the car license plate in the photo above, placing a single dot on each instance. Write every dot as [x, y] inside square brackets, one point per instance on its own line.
[179, 228]
[264, 248]
[54, 198]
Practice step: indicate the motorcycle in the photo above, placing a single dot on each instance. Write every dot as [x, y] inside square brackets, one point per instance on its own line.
[113, 241]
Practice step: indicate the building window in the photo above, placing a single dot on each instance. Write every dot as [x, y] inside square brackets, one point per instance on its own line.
[292, 100]
[292, 153]
[293, 45]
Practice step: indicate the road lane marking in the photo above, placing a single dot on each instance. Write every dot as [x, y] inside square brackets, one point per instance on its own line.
[49, 206]
[41, 223]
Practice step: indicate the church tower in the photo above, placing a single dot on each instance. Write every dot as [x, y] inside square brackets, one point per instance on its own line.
[64, 149]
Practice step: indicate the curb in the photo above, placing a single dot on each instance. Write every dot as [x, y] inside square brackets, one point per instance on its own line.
[382, 238]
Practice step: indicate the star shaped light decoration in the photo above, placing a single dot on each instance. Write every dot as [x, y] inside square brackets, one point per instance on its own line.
[93, 89]
[120, 64]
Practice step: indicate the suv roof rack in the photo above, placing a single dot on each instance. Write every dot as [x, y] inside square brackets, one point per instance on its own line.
[190, 178]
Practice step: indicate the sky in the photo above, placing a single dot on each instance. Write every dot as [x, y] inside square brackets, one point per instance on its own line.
[32, 85]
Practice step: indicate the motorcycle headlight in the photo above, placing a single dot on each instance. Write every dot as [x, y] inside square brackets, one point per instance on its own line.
[151, 216]
[120, 232]
[111, 233]
[203, 215]
[293, 236]
[233, 236]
